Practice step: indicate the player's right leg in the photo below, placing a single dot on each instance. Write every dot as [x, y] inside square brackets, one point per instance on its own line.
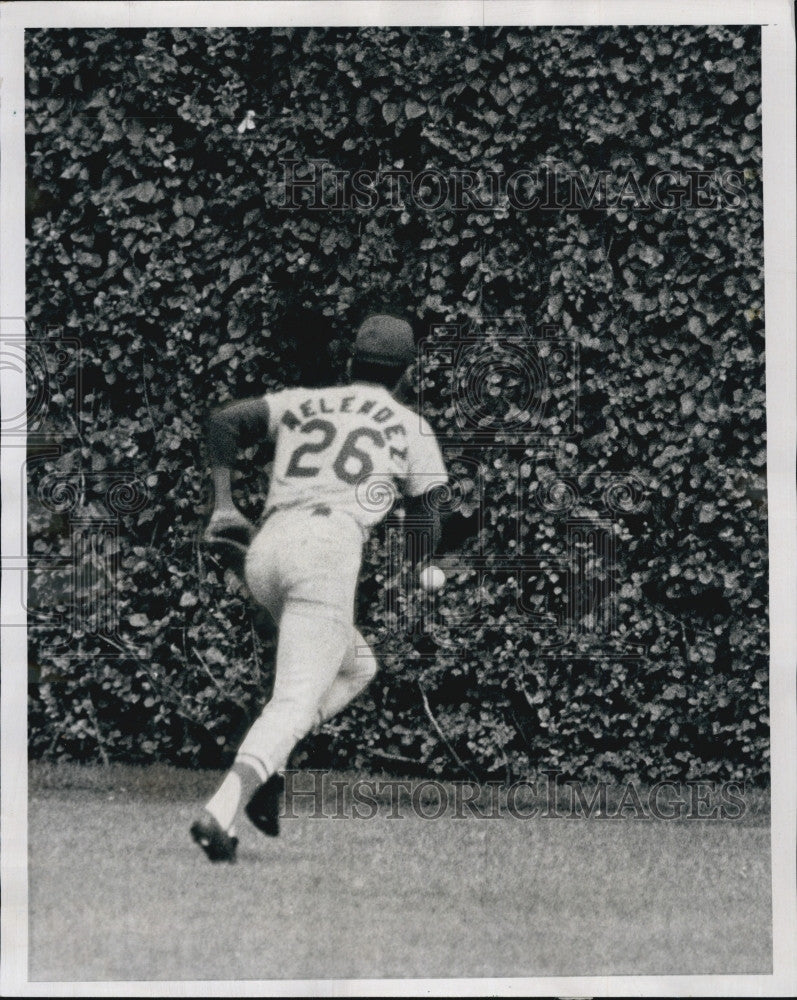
[358, 669]
[309, 656]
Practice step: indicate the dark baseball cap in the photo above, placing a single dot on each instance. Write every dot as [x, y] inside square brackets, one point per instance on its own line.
[385, 340]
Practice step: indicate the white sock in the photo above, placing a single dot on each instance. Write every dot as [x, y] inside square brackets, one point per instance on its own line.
[241, 780]
[224, 804]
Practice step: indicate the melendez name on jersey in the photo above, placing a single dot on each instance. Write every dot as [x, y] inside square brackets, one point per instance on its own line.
[350, 447]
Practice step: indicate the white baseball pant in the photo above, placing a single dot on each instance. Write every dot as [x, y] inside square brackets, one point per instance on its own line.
[303, 566]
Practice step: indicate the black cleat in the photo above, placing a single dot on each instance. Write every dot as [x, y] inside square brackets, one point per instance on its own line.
[263, 808]
[218, 845]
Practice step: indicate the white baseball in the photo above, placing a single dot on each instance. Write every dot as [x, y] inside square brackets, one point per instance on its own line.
[432, 578]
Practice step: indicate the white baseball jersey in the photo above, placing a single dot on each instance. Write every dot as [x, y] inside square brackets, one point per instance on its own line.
[351, 448]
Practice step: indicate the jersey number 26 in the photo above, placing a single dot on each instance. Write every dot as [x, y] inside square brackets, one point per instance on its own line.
[351, 463]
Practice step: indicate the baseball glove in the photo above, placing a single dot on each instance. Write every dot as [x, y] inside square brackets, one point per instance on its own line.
[229, 527]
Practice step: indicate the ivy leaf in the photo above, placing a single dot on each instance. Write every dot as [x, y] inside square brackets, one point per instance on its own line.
[224, 353]
[390, 112]
[112, 133]
[193, 205]
[696, 326]
[708, 513]
[145, 191]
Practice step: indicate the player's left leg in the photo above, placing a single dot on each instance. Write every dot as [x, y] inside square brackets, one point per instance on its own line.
[312, 579]
[214, 830]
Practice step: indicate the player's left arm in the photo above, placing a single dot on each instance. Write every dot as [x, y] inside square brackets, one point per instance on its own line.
[230, 429]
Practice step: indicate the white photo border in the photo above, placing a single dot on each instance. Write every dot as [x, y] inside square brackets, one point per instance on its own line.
[778, 134]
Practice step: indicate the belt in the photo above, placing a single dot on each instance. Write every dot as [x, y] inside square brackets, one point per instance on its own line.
[319, 510]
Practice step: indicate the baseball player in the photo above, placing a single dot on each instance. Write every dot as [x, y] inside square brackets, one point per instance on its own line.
[331, 445]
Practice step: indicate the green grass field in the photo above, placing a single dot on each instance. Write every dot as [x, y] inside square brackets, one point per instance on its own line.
[119, 892]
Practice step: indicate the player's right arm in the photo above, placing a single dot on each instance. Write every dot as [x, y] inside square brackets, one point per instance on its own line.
[422, 529]
[426, 475]
[229, 429]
